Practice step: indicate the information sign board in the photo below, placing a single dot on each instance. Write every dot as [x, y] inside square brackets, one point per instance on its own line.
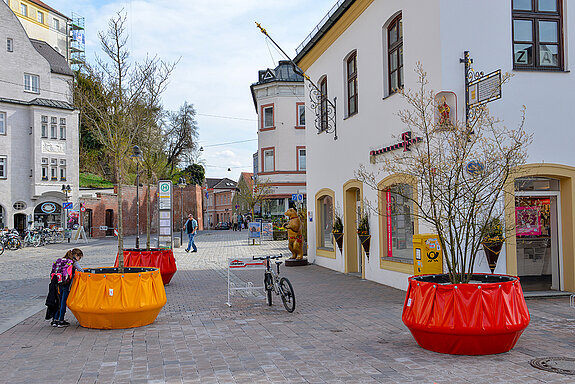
[267, 231]
[254, 230]
[165, 213]
[68, 205]
[485, 89]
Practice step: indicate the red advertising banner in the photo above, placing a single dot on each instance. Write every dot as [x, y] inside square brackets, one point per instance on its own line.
[388, 219]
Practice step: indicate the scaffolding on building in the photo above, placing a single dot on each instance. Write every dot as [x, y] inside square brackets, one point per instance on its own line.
[77, 42]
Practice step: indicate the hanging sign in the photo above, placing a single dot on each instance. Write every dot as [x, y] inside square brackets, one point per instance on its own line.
[485, 89]
[48, 207]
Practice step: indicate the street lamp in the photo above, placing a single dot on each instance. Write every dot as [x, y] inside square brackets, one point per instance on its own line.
[182, 185]
[137, 154]
[66, 189]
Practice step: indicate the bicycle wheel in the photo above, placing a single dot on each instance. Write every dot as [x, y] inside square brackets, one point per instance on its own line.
[59, 237]
[13, 243]
[268, 285]
[1, 247]
[288, 295]
[36, 240]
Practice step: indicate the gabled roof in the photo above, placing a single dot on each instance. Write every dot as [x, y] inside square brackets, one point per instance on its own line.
[210, 182]
[248, 179]
[58, 63]
[45, 6]
[225, 183]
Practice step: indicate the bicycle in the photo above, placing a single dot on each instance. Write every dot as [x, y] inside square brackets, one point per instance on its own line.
[32, 238]
[273, 283]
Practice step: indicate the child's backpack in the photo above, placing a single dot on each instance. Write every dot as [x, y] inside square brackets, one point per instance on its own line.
[62, 269]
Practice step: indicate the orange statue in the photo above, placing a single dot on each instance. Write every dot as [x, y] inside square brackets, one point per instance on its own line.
[444, 113]
[295, 239]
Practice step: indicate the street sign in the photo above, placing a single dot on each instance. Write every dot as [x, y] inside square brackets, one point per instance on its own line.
[294, 197]
[69, 205]
[165, 213]
[297, 197]
[103, 227]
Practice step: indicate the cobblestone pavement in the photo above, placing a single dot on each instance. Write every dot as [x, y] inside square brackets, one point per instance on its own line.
[344, 330]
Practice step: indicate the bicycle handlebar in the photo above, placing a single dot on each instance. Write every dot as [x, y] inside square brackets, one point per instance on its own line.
[267, 257]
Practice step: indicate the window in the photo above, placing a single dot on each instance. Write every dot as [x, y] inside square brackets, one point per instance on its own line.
[395, 54]
[62, 129]
[268, 159]
[53, 131]
[325, 205]
[23, 9]
[268, 116]
[31, 83]
[56, 24]
[2, 123]
[323, 103]
[63, 173]
[44, 130]
[351, 70]
[301, 163]
[10, 45]
[40, 17]
[3, 170]
[399, 223]
[300, 115]
[537, 34]
[44, 168]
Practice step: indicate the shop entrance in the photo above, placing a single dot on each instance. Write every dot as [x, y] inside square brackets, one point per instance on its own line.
[20, 222]
[537, 207]
[48, 215]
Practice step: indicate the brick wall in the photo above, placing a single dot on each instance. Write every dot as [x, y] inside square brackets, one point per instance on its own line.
[98, 206]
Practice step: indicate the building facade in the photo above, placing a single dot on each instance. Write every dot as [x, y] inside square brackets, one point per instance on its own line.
[218, 202]
[368, 49]
[39, 140]
[281, 158]
[42, 22]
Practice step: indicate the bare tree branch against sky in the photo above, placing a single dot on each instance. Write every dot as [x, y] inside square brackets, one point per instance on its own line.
[220, 52]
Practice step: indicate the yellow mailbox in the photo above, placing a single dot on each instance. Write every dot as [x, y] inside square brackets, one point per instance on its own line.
[427, 255]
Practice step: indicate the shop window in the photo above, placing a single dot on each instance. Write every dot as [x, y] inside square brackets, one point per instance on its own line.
[537, 34]
[398, 223]
[325, 238]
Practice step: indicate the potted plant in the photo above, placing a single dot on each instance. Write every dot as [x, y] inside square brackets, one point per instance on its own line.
[363, 230]
[492, 241]
[337, 229]
[458, 177]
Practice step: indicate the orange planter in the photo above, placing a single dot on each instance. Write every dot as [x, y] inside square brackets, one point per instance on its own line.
[104, 299]
[466, 319]
[160, 258]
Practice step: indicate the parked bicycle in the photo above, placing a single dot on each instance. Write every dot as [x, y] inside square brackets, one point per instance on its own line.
[33, 238]
[273, 283]
[10, 239]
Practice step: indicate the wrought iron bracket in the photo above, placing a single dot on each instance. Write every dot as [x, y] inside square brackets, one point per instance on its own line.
[471, 112]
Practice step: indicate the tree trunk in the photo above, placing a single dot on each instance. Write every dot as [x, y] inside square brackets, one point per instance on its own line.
[120, 218]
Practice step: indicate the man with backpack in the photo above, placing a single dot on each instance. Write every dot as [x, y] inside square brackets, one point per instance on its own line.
[191, 227]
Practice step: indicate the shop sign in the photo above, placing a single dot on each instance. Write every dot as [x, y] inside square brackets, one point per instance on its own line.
[406, 142]
[48, 207]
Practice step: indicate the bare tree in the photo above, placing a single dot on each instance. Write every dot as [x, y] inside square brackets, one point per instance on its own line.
[180, 135]
[127, 92]
[459, 177]
[254, 193]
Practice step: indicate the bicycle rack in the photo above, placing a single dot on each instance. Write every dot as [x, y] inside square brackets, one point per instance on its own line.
[243, 264]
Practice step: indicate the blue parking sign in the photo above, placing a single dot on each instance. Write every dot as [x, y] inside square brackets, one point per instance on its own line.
[68, 205]
[294, 196]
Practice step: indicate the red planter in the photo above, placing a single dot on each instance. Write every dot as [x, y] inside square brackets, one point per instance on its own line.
[465, 319]
[155, 257]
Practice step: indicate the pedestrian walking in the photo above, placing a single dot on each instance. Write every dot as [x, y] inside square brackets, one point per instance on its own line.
[191, 227]
[60, 280]
[234, 222]
[240, 222]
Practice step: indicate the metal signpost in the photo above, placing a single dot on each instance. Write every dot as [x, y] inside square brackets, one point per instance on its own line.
[165, 234]
[479, 89]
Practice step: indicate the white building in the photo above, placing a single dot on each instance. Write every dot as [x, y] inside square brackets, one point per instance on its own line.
[281, 158]
[42, 22]
[39, 140]
[368, 48]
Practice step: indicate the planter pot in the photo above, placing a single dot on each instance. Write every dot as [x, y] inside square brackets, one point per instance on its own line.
[338, 236]
[161, 258]
[484, 317]
[365, 240]
[492, 250]
[102, 298]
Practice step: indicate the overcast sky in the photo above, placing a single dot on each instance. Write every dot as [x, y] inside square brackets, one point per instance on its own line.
[221, 51]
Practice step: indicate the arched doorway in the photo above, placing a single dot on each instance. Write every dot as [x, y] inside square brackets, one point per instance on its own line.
[20, 222]
[48, 215]
[352, 205]
[542, 249]
[110, 222]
